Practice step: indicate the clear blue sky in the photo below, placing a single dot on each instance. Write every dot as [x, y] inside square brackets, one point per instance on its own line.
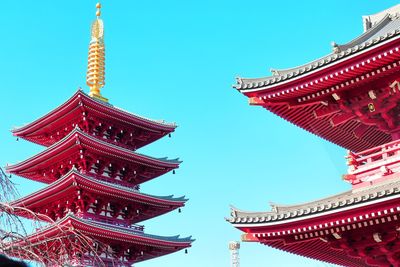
[177, 60]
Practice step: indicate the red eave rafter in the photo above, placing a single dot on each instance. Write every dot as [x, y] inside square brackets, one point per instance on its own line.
[318, 250]
[342, 135]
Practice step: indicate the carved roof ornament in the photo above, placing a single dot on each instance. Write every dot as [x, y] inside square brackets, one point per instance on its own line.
[274, 72]
[95, 78]
[335, 47]
[371, 20]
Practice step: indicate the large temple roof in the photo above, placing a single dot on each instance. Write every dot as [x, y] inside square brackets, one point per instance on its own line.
[329, 97]
[355, 228]
[349, 229]
[337, 203]
[386, 29]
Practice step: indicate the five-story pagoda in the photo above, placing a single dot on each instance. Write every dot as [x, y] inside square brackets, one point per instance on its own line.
[93, 174]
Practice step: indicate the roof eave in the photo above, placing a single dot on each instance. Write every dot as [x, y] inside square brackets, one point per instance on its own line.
[80, 95]
[170, 164]
[70, 180]
[251, 91]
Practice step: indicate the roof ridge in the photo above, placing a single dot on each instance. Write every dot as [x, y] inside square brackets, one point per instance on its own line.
[358, 197]
[372, 19]
[365, 36]
[380, 34]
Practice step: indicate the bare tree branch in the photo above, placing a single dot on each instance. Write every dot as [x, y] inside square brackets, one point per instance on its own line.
[68, 247]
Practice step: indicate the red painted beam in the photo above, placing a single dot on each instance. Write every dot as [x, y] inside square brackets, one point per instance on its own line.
[323, 112]
[341, 118]
[256, 101]
[360, 131]
[249, 238]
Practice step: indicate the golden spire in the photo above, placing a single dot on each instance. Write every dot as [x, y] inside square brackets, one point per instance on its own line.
[96, 62]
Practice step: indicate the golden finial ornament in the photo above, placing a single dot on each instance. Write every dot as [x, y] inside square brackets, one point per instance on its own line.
[98, 12]
[95, 78]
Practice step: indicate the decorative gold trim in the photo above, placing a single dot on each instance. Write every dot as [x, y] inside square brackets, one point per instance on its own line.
[95, 77]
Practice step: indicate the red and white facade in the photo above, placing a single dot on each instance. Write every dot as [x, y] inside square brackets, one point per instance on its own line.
[93, 174]
[350, 97]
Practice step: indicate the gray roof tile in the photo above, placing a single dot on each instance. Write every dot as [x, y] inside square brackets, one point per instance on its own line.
[387, 28]
[346, 199]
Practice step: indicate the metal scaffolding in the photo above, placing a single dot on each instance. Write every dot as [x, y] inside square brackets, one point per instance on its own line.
[234, 247]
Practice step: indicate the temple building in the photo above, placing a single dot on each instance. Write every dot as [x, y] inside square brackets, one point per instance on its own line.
[350, 97]
[93, 174]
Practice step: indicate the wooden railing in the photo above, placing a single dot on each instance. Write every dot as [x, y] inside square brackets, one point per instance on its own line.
[377, 153]
[373, 163]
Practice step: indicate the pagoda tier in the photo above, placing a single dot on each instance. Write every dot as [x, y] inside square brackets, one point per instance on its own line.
[93, 157]
[95, 199]
[349, 97]
[97, 118]
[127, 246]
[356, 228]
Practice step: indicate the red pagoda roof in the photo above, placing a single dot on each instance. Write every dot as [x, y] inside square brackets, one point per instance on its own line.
[335, 204]
[74, 146]
[74, 181]
[82, 109]
[336, 229]
[308, 96]
[153, 246]
[381, 35]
